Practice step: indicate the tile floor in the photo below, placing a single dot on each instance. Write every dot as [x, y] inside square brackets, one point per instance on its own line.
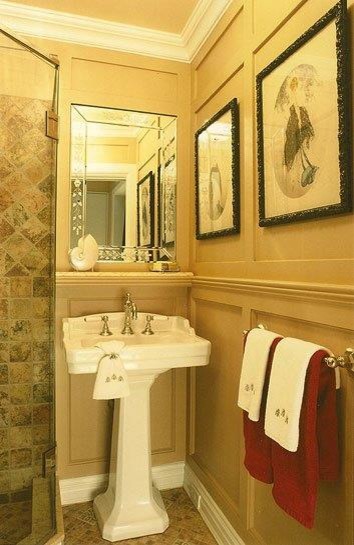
[186, 525]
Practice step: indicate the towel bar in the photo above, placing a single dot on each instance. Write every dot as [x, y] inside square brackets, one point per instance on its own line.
[346, 361]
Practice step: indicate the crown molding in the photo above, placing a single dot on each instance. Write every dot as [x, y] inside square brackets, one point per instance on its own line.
[65, 27]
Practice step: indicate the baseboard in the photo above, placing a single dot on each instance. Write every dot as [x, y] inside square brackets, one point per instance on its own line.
[83, 489]
[214, 518]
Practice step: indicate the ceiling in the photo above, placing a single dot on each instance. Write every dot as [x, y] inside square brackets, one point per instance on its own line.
[163, 15]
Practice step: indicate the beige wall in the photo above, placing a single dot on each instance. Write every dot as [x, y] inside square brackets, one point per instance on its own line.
[83, 424]
[101, 77]
[296, 279]
[111, 150]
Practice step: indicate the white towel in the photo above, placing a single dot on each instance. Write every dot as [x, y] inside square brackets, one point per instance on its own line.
[112, 379]
[254, 366]
[286, 390]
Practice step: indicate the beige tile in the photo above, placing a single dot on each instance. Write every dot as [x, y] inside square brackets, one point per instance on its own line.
[20, 372]
[20, 351]
[20, 287]
[20, 394]
[20, 308]
[20, 457]
[20, 437]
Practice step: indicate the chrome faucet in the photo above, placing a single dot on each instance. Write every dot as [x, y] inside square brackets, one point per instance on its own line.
[131, 313]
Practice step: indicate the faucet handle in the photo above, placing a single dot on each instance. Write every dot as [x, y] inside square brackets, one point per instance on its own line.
[148, 329]
[105, 328]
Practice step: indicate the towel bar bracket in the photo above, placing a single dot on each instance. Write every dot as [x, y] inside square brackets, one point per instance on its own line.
[346, 361]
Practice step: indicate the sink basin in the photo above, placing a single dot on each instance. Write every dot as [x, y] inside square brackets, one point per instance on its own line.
[131, 507]
[174, 343]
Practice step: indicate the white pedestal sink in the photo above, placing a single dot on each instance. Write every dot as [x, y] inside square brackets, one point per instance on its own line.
[131, 507]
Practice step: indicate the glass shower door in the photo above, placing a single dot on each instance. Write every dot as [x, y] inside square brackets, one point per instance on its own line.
[28, 87]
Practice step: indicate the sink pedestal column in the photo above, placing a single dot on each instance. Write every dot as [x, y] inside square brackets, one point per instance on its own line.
[131, 507]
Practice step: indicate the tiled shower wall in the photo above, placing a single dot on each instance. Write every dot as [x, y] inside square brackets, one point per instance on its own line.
[26, 276]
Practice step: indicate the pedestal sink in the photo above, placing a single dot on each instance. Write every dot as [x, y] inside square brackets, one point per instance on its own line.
[131, 506]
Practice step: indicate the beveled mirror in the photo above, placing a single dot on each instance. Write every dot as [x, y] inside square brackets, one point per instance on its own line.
[123, 182]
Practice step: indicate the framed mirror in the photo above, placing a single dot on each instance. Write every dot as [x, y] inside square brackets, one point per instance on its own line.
[123, 182]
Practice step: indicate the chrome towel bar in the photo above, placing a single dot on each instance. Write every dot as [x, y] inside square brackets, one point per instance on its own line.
[346, 361]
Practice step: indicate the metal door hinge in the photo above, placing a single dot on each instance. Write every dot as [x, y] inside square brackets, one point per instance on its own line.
[52, 125]
[49, 461]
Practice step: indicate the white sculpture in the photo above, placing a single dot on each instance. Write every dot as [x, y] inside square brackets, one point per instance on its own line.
[85, 255]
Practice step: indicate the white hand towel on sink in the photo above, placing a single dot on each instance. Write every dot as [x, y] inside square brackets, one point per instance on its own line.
[112, 379]
[254, 365]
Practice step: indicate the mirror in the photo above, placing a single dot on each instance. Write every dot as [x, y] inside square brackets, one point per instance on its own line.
[123, 182]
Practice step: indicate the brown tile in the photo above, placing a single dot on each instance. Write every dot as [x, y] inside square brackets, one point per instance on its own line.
[40, 434]
[40, 329]
[20, 351]
[41, 287]
[20, 394]
[4, 330]
[4, 308]
[4, 287]
[34, 261]
[20, 372]
[21, 287]
[41, 307]
[6, 263]
[20, 308]
[6, 199]
[6, 229]
[4, 460]
[17, 215]
[34, 201]
[21, 478]
[20, 437]
[4, 439]
[20, 415]
[4, 480]
[17, 246]
[4, 352]
[33, 230]
[41, 372]
[4, 373]
[41, 414]
[20, 457]
[41, 351]
[17, 270]
[20, 330]
[42, 393]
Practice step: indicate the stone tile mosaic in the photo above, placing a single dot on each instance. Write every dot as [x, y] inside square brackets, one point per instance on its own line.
[11, 532]
[186, 525]
[26, 286]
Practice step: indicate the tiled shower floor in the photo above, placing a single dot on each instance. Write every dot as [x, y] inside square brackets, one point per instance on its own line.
[15, 522]
[186, 525]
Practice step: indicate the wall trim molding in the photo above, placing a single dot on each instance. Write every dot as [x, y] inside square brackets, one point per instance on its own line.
[214, 518]
[81, 30]
[81, 489]
[304, 290]
[117, 278]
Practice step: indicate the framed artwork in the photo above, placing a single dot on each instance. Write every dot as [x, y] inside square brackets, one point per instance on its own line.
[145, 209]
[303, 122]
[217, 149]
[168, 175]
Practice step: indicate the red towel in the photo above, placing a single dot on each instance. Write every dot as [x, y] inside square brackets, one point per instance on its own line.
[257, 444]
[296, 474]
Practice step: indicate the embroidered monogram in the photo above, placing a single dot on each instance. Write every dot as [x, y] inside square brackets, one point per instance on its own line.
[277, 412]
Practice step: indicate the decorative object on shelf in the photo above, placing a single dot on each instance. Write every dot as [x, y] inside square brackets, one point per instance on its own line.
[303, 126]
[217, 149]
[84, 256]
[164, 266]
[145, 209]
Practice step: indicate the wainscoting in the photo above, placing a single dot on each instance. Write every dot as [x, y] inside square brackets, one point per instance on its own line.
[221, 310]
[84, 424]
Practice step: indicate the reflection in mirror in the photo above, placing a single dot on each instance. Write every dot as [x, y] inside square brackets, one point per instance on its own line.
[123, 182]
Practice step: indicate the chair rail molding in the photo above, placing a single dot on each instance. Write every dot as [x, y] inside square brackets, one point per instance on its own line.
[81, 30]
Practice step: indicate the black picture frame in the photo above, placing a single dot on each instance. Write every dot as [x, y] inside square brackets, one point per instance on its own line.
[338, 17]
[145, 190]
[234, 189]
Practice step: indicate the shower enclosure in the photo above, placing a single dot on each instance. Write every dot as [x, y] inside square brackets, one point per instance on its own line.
[28, 101]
